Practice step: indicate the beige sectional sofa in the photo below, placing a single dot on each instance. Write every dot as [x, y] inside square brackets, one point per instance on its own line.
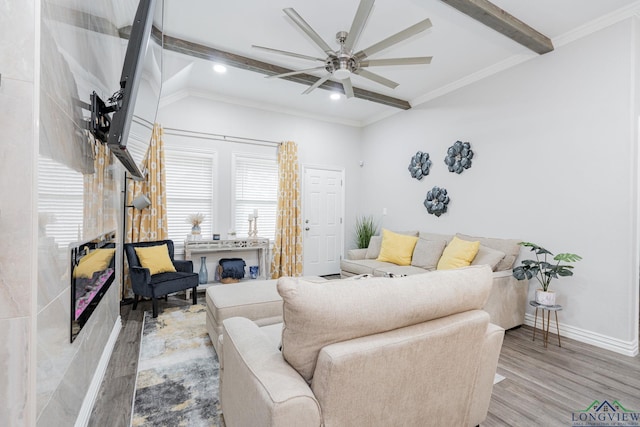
[415, 350]
[507, 300]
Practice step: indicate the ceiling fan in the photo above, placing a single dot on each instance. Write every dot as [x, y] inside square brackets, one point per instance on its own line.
[344, 62]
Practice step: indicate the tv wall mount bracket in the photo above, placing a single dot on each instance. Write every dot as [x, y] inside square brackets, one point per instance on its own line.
[100, 121]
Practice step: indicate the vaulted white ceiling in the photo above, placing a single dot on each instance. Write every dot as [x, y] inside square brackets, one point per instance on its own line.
[463, 49]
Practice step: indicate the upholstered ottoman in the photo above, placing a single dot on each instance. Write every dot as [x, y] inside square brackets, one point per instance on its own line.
[257, 300]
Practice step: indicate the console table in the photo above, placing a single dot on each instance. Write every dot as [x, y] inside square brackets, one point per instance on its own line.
[260, 245]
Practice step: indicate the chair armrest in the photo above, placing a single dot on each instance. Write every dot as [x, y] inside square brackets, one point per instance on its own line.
[256, 376]
[357, 253]
[139, 275]
[183, 266]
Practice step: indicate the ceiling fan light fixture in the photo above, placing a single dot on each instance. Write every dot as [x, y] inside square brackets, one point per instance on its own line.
[342, 73]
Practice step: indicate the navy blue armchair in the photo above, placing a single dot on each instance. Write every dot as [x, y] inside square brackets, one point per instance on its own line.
[161, 284]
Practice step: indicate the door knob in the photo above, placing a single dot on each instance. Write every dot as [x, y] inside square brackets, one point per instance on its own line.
[307, 228]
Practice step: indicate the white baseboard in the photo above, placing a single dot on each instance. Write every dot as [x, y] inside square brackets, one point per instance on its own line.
[101, 369]
[627, 348]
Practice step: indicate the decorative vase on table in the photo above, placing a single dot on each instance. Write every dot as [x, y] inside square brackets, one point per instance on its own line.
[545, 297]
[203, 274]
[195, 232]
[254, 271]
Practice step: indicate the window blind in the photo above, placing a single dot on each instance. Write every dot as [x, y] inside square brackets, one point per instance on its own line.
[256, 187]
[190, 189]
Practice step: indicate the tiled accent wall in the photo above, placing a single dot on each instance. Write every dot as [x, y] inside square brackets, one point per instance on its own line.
[81, 52]
[17, 259]
[52, 55]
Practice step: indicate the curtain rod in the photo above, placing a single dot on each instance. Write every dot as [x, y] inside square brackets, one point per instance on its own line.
[218, 137]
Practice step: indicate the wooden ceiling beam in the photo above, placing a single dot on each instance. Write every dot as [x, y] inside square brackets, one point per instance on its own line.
[497, 19]
[231, 59]
[100, 25]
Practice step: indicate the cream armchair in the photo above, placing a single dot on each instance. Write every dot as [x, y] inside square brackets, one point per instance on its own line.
[410, 351]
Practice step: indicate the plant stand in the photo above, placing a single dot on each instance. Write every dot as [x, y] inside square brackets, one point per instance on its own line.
[545, 331]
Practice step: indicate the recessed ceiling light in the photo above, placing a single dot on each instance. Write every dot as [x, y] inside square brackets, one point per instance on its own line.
[335, 96]
[219, 68]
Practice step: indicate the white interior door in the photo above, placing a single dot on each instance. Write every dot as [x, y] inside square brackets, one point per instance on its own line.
[322, 221]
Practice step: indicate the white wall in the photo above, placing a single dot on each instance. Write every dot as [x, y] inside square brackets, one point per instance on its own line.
[319, 143]
[556, 162]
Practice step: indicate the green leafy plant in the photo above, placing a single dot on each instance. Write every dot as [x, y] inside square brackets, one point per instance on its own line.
[543, 270]
[365, 228]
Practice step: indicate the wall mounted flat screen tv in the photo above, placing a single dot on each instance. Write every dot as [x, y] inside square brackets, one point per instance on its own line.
[140, 84]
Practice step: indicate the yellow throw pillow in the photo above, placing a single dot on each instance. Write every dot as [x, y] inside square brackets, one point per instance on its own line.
[458, 253]
[397, 248]
[156, 259]
[97, 260]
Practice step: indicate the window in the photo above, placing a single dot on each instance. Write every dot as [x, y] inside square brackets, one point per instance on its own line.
[255, 187]
[190, 189]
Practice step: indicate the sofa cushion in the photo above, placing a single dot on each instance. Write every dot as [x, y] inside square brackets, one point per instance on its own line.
[458, 253]
[398, 270]
[412, 233]
[510, 247]
[396, 248]
[318, 314]
[363, 266]
[373, 250]
[435, 236]
[488, 256]
[427, 253]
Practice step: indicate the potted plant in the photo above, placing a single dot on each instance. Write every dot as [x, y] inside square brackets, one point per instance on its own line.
[544, 271]
[365, 228]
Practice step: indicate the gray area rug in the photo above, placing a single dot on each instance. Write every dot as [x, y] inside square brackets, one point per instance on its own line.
[178, 371]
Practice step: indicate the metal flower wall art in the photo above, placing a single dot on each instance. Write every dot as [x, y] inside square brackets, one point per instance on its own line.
[436, 201]
[419, 165]
[459, 157]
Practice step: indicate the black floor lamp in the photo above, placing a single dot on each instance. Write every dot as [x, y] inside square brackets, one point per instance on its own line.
[141, 202]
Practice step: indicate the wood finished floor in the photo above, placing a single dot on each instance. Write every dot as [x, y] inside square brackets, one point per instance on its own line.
[542, 386]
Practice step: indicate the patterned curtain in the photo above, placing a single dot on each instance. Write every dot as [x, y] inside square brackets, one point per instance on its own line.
[287, 248]
[99, 213]
[149, 224]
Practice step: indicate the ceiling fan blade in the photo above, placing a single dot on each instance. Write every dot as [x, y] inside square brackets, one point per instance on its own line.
[292, 73]
[376, 78]
[284, 52]
[396, 61]
[358, 23]
[316, 84]
[348, 87]
[300, 22]
[396, 38]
